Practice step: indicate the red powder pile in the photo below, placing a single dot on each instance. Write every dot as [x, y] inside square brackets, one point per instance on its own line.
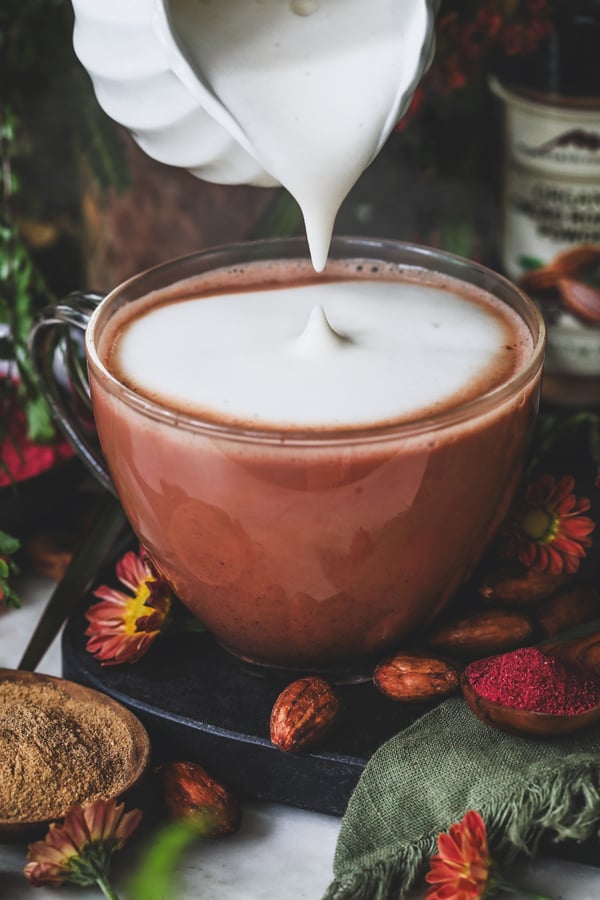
[529, 679]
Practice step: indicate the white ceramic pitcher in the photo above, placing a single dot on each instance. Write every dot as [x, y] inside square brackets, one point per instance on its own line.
[144, 78]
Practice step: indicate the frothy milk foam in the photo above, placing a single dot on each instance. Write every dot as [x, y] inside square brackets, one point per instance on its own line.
[315, 353]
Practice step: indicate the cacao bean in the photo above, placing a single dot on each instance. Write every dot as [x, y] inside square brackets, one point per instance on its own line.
[572, 606]
[303, 712]
[191, 792]
[482, 633]
[416, 677]
[515, 585]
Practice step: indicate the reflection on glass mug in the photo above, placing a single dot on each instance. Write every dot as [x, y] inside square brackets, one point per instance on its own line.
[315, 462]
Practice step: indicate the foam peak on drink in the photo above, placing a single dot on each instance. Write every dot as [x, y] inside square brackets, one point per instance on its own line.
[272, 346]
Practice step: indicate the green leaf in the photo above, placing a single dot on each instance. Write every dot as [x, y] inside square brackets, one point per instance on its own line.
[8, 547]
[51, 130]
[9, 595]
[155, 877]
[529, 263]
[39, 420]
[8, 544]
[457, 237]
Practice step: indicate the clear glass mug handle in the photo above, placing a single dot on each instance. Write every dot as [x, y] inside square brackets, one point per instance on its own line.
[58, 360]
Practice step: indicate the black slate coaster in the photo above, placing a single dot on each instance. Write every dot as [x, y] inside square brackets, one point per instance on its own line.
[199, 704]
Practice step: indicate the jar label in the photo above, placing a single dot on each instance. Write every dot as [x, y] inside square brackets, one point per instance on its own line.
[544, 216]
[551, 205]
[551, 180]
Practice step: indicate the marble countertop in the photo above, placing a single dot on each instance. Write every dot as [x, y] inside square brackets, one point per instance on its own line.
[279, 853]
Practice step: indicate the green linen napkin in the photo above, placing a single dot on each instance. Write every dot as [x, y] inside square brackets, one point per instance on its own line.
[427, 777]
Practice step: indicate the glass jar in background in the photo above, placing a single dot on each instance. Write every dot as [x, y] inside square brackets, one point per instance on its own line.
[550, 235]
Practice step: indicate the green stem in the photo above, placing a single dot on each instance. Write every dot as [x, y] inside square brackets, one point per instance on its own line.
[104, 885]
[155, 878]
[457, 237]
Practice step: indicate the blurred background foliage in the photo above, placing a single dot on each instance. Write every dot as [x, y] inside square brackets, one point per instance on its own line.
[52, 135]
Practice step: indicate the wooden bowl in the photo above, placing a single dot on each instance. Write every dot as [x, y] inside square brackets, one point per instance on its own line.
[136, 759]
[524, 721]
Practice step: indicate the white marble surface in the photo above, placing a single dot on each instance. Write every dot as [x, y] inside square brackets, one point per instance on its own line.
[279, 853]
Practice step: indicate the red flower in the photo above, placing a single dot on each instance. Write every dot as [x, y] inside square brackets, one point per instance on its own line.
[462, 868]
[22, 458]
[548, 531]
[123, 626]
[80, 849]
[468, 32]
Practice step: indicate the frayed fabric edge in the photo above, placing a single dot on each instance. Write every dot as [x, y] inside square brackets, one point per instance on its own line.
[392, 878]
[564, 805]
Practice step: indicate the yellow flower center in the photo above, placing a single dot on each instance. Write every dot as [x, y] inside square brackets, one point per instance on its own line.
[540, 526]
[135, 609]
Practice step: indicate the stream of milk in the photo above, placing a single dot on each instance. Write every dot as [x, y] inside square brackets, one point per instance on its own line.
[310, 88]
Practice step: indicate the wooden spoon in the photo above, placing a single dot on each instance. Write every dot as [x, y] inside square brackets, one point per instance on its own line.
[525, 721]
[138, 751]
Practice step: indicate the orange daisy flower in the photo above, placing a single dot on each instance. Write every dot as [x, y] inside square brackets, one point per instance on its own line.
[462, 868]
[123, 626]
[80, 850]
[548, 531]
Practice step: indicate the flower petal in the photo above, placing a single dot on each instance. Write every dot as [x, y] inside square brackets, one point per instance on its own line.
[558, 547]
[461, 868]
[132, 570]
[121, 627]
[67, 851]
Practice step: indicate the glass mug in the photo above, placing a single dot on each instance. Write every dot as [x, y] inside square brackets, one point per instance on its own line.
[311, 551]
